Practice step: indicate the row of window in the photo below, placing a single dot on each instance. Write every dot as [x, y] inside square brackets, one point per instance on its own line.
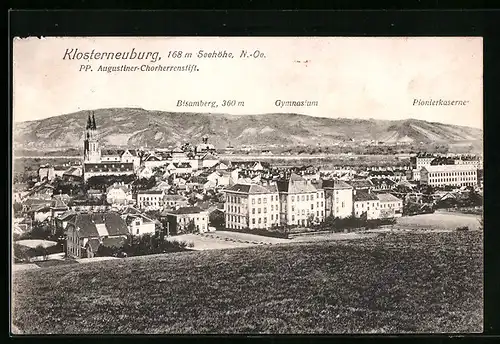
[241, 219]
[451, 174]
[306, 197]
[452, 179]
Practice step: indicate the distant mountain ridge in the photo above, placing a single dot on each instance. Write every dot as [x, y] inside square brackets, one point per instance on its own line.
[135, 127]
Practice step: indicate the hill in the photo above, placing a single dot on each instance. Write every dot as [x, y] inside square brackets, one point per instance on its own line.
[395, 283]
[134, 127]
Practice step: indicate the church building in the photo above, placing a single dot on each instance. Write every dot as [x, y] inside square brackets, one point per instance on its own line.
[95, 163]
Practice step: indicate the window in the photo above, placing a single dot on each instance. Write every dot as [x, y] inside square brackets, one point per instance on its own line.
[253, 210]
[253, 221]
[265, 210]
[293, 198]
[258, 201]
[258, 210]
[293, 217]
[302, 197]
[343, 205]
[265, 219]
[265, 200]
[253, 200]
[271, 198]
[272, 216]
[307, 197]
[312, 205]
[293, 208]
[260, 220]
[272, 207]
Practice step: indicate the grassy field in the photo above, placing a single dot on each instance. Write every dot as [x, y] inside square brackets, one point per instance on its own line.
[393, 283]
[439, 221]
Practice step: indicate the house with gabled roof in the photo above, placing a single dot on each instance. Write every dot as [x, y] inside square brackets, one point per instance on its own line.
[137, 222]
[119, 194]
[179, 221]
[390, 205]
[366, 203]
[87, 231]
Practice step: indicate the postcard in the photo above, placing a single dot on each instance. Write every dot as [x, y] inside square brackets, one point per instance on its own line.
[247, 185]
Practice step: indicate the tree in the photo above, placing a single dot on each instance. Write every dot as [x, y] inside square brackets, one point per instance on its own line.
[310, 219]
[41, 230]
[217, 219]
[42, 251]
[18, 207]
[191, 227]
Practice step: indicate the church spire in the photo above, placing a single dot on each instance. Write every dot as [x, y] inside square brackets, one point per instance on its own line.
[89, 122]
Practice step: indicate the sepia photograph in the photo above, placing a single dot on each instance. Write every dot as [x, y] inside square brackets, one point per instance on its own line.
[247, 185]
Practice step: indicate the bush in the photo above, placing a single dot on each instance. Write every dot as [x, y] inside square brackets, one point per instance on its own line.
[463, 228]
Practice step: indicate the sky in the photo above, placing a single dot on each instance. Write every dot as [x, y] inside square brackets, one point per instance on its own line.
[364, 77]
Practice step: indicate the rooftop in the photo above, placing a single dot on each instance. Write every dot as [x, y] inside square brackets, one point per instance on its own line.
[251, 189]
[363, 196]
[386, 197]
[449, 168]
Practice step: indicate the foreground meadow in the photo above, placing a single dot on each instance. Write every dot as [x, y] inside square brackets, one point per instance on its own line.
[393, 283]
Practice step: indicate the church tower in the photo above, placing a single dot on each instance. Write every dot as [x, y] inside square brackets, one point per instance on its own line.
[91, 147]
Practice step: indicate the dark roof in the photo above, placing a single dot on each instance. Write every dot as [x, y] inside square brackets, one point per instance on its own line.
[150, 192]
[109, 167]
[362, 196]
[112, 222]
[360, 183]
[73, 171]
[185, 210]
[114, 242]
[118, 152]
[182, 165]
[295, 184]
[381, 173]
[335, 184]
[67, 215]
[252, 189]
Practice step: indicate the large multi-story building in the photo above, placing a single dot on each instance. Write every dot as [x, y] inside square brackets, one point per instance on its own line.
[449, 175]
[252, 206]
[301, 203]
[338, 198]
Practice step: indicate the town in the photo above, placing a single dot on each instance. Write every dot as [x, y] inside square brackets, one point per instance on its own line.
[123, 202]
